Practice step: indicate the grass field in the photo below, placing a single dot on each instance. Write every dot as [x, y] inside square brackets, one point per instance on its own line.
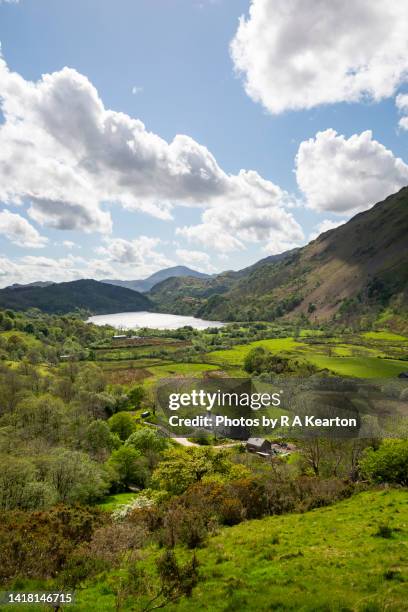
[349, 557]
[112, 502]
[384, 335]
[178, 369]
[380, 354]
[346, 359]
[327, 559]
[236, 355]
[360, 367]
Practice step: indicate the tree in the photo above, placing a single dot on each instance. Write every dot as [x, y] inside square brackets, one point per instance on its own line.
[92, 378]
[129, 466]
[12, 389]
[41, 417]
[136, 396]
[181, 468]
[122, 424]
[100, 440]
[15, 474]
[147, 439]
[387, 464]
[149, 443]
[255, 359]
[75, 476]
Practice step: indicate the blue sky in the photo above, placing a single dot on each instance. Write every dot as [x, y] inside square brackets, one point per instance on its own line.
[169, 64]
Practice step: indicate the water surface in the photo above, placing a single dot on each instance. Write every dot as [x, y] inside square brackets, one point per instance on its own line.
[155, 320]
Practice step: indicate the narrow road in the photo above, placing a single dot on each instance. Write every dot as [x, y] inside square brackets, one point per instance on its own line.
[186, 441]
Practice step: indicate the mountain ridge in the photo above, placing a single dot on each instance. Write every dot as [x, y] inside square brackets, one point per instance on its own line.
[144, 285]
[84, 294]
[357, 268]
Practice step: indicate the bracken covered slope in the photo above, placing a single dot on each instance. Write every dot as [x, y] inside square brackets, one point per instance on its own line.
[359, 268]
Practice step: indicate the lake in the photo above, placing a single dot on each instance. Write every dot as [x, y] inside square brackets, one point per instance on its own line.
[155, 320]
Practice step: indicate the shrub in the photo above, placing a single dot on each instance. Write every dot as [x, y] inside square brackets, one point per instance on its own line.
[387, 464]
[384, 531]
[36, 545]
[231, 511]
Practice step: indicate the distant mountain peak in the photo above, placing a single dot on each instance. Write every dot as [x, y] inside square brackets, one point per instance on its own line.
[144, 285]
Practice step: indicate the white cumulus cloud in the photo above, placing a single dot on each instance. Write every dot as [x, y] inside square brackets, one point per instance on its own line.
[296, 54]
[247, 219]
[140, 251]
[198, 259]
[67, 155]
[345, 176]
[32, 268]
[19, 231]
[401, 102]
[68, 244]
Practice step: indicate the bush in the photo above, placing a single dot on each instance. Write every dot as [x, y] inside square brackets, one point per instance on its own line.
[36, 545]
[231, 511]
[387, 464]
[384, 531]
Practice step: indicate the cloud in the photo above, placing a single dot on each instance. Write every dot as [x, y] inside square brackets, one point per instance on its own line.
[68, 244]
[247, 219]
[32, 268]
[211, 236]
[401, 102]
[294, 54]
[325, 226]
[198, 259]
[141, 251]
[71, 158]
[19, 231]
[345, 176]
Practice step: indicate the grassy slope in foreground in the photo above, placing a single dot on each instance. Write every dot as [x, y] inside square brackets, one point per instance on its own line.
[327, 559]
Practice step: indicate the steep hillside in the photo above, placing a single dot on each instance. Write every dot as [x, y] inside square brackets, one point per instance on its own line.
[332, 558]
[90, 295]
[147, 283]
[357, 269]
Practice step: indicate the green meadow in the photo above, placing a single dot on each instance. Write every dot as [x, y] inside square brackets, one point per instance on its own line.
[357, 357]
[112, 502]
[348, 557]
[327, 559]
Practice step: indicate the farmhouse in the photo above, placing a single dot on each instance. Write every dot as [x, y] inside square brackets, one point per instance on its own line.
[258, 445]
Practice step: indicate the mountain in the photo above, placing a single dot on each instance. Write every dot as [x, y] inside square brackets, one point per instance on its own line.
[86, 294]
[34, 284]
[263, 262]
[147, 284]
[357, 269]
